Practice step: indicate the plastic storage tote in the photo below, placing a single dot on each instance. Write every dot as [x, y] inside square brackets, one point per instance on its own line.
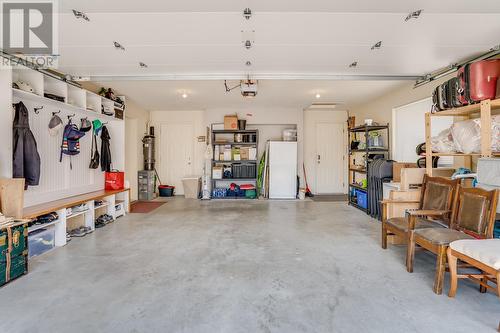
[166, 190]
[362, 198]
[41, 241]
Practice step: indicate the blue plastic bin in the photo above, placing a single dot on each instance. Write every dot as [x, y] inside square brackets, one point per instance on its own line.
[496, 231]
[362, 198]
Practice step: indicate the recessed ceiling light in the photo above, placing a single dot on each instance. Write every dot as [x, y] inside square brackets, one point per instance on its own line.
[413, 15]
[80, 15]
[353, 65]
[184, 95]
[143, 65]
[318, 96]
[377, 45]
[248, 63]
[118, 46]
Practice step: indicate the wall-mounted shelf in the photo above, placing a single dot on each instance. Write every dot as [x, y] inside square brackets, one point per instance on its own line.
[483, 111]
[44, 100]
[75, 98]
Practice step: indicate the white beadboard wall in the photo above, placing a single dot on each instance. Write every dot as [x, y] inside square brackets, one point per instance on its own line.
[57, 179]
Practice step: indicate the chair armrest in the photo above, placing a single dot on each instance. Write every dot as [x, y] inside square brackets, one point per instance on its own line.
[386, 202]
[428, 212]
[413, 214]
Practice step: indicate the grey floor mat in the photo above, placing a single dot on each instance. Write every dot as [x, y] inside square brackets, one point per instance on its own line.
[330, 198]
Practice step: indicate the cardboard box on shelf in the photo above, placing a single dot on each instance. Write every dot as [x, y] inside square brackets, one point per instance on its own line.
[217, 172]
[245, 153]
[231, 122]
[396, 170]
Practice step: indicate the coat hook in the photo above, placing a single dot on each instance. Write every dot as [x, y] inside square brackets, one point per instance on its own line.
[71, 116]
[54, 113]
[37, 109]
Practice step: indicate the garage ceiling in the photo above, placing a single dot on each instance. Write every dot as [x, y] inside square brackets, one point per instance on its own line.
[318, 39]
[208, 94]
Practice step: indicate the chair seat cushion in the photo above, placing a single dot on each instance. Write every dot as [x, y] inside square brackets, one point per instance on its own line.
[402, 224]
[486, 251]
[441, 236]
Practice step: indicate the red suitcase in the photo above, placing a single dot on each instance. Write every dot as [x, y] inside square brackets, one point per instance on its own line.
[482, 79]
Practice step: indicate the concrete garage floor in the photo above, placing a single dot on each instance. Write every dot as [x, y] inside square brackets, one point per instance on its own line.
[222, 266]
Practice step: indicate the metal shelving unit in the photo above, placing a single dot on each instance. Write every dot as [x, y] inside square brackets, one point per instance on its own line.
[354, 169]
[217, 161]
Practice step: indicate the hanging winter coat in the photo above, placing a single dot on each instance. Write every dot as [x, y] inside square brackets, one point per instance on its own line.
[26, 160]
[105, 150]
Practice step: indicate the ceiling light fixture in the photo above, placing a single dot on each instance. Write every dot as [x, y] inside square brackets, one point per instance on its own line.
[353, 64]
[118, 46]
[248, 63]
[247, 13]
[248, 44]
[377, 45]
[80, 15]
[318, 96]
[413, 15]
[184, 95]
[143, 65]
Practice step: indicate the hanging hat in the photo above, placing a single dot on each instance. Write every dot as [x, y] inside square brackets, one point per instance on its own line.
[55, 125]
[97, 124]
[86, 125]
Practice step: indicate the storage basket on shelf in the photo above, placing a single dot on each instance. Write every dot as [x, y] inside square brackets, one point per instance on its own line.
[362, 198]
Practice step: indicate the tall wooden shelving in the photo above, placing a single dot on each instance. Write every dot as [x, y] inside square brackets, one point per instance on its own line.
[481, 110]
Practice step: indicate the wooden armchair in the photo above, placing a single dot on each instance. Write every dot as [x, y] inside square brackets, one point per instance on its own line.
[433, 210]
[473, 217]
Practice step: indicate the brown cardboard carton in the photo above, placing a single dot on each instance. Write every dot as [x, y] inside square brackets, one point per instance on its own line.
[245, 153]
[231, 122]
[396, 170]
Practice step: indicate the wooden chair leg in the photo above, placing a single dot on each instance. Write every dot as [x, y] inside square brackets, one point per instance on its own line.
[483, 289]
[498, 292]
[410, 251]
[452, 263]
[384, 235]
[440, 270]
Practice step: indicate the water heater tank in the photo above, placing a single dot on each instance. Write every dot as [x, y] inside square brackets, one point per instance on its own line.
[148, 150]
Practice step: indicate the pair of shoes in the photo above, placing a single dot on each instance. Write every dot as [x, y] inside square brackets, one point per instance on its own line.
[68, 237]
[80, 232]
[102, 220]
[79, 208]
[108, 218]
[98, 203]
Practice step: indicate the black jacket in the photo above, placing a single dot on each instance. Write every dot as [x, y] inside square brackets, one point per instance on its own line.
[105, 150]
[26, 158]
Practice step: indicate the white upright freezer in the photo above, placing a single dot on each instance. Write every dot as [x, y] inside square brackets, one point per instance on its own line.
[282, 170]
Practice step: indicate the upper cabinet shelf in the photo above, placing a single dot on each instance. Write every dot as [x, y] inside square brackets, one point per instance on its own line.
[467, 110]
[51, 90]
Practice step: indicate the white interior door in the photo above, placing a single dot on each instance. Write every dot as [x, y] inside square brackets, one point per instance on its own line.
[176, 153]
[329, 158]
